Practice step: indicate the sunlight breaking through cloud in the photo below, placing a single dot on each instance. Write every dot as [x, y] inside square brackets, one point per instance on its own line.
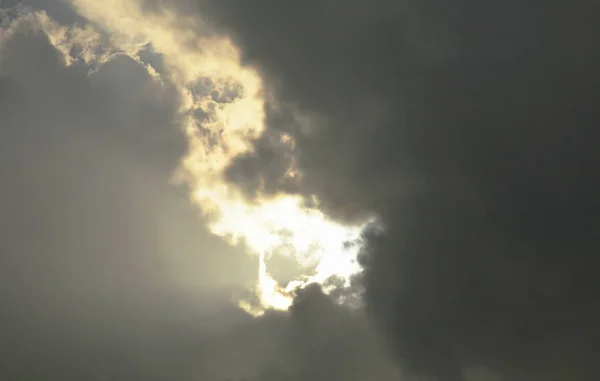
[202, 67]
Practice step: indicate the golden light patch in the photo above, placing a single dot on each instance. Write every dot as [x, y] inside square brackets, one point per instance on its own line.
[223, 131]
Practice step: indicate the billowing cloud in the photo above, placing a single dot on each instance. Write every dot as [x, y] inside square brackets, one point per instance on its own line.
[469, 128]
[107, 270]
[466, 128]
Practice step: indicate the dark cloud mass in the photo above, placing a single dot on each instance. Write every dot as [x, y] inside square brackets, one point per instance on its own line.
[470, 127]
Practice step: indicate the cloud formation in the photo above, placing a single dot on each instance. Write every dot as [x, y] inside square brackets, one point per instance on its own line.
[107, 271]
[470, 129]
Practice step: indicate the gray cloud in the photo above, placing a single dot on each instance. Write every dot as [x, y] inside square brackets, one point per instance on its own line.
[97, 246]
[318, 339]
[106, 271]
[59, 10]
[470, 128]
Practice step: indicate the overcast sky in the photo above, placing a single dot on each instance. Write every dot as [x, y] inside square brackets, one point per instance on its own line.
[144, 143]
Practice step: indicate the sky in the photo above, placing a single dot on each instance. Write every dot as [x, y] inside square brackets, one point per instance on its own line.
[264, 190]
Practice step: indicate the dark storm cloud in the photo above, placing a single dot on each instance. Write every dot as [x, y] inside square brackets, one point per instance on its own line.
[470, 127]
[317, 340]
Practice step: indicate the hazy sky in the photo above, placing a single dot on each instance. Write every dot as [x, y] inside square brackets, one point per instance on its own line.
[166, 167]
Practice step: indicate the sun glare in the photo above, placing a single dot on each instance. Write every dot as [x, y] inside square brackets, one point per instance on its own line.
[284, 226]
